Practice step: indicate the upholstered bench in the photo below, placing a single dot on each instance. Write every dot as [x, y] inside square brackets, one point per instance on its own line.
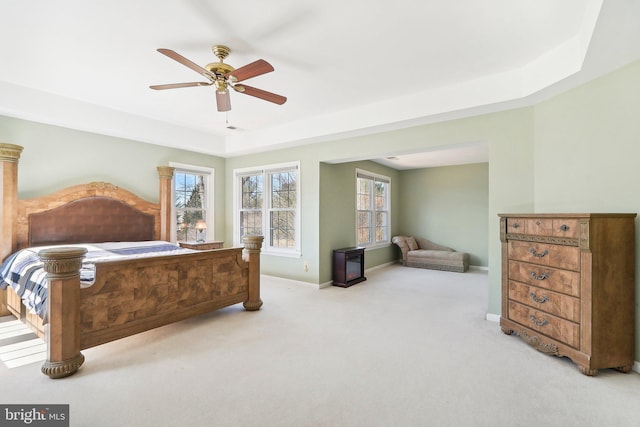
[422, 253]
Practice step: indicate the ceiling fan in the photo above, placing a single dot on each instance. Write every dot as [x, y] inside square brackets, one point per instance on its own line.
[224, 76]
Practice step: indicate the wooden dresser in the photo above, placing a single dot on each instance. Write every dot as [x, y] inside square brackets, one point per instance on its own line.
[568, 285]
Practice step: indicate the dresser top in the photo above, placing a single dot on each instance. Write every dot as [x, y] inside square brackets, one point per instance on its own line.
[567, 215]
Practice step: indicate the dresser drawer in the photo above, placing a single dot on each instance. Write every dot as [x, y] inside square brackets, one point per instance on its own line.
[538, 226]
[565, 228]
[555, 303]
[565, 281]
[556, 227]
[515, 225]
[567, 257]
[547, 324]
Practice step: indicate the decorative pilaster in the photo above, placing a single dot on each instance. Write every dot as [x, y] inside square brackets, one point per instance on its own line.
[62, 266]
[9, 156]
[251, 255]
[165, 174]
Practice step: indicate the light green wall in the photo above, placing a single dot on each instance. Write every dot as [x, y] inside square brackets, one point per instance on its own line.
[55, 157]
[52, 155]
[448, 205]
[292, 268]
[337, 213]
[508, 134]
[587, 146]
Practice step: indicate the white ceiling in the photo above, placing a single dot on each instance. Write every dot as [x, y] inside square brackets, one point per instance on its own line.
[457, 154]
[347, 67]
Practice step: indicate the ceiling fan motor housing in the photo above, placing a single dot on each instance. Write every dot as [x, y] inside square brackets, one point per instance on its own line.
[219, 68]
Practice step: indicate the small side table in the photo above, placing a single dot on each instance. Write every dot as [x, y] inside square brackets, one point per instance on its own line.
[202, 246]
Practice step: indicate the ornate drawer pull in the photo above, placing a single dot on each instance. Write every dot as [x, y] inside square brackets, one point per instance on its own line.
[538, 277]
[533, 252]
[516, 225]
[538, 322]
[539, 300]
[564, 227]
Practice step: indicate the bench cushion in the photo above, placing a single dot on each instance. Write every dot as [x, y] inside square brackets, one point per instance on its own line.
[438, 260]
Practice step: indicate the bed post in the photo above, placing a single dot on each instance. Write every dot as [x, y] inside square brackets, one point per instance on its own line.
[63, 310]
[9, 156]
[166, 176]
[251, 254]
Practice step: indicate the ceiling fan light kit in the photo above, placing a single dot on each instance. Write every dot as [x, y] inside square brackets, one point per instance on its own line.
[222, 76]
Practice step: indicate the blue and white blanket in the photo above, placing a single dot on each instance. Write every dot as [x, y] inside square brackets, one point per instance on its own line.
[24, 271]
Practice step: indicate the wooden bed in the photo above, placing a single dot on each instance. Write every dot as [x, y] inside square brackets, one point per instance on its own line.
[128, 296]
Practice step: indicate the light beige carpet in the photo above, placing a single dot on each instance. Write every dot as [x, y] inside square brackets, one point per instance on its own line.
[407, 347]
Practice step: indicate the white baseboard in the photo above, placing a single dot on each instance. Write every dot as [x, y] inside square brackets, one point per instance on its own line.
[368, 270]
[636, 367]
[378, 267]
[493, 317]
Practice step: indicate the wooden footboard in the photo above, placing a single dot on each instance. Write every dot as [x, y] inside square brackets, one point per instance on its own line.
[137, 295]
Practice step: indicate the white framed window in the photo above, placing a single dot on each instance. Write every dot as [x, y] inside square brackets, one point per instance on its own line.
[266, 202]
[373, 208]
[192, 202]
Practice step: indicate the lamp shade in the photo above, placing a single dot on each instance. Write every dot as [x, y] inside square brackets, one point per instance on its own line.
[201, 225]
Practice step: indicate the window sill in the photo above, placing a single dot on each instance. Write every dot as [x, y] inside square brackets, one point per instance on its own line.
[280, 253]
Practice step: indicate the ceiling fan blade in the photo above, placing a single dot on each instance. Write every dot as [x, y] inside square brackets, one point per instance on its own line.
[262, 94]
[178, 85]
[254, 69]
[223, 100]
[184, 61]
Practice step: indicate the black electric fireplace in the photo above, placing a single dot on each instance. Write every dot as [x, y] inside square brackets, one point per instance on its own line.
[348, 266]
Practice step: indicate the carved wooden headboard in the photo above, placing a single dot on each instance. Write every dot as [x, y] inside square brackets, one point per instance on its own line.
[93, 212]
[90, 220]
